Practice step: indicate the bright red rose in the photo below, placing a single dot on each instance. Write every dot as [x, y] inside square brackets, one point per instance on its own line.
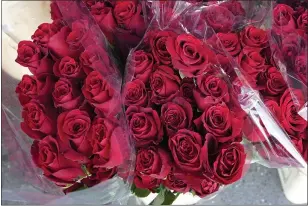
[275, 84]
[292, 122]
[283, 20]
[67, 95]
[153, 161]
[39, 121]
[164, 84]
[50, 155]
[302, 21]
[146, 182]
[98, 174]
[300, 68]
[190, 55]
[136, 94]
[230, 42]
[186, 90]
[68, 67]
[219, 120]
[185, 147]
[105, 137]
[142, 65]
[274, 108]
[145, 126]
[205, 187]
[42, 34]
[176, 181]
[254, 37]
[176, 115]
[73, 127]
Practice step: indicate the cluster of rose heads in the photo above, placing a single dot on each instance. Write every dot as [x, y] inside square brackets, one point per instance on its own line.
[68, 107]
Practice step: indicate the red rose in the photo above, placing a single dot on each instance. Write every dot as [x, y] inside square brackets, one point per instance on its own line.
[274, 108]
[105, 137]
[302, 21]
[146, 182]
[142, 65]
[226, 65]
[68, 67]
[55, 11]
[275, 84]
[176, 181]
[145, 125]
[230, 42]
[205, 187]
[219, 120]
[73, 127]
[252, 130]
[186, 89]
[176, 115]
[104, 18]
[153, 161]
[292, 122]
[89, 3]
[100, 94]
[219, 18]
[67, 95]
[185, 147]
[210, 85]
[38, 120]
[300, 67]
[29, 55]
[42, 34]
[49, 155]
[291, 47]
[56, 26]
[158, 41]
[254, 37]
[283, 20]
[98, 175]
[96, 58]
[164, 84]
[235, 7]
[189, 54]
[136, 94]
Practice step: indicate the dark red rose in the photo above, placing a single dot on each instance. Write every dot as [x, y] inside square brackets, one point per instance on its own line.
[230, 42]
[291, 46]
[219, 120]
[49, 155]
[164, 84]
[205, 187]
[145, 125]
[100, 93]
[153, 161]
[292, 122]
[186, 89]
[68, 67]
[275, 84]
[176, 181]
[104, 18]
[67, 95]
[73, 127]
[136, 94]
[98, 174]
[55, 11]
[142, 65]
[27, 89]
[189, 54]
[176, 115]
[146, 182]
[39, 121]
[302, 21]
[158, 41]
[235, 7]
[42, 34]
[300, 67]
[219, 18]
[210, 85]
[274, 108]
[254, 37]
[29, 55]
[283, 20]
[185, 147]
[105, 137]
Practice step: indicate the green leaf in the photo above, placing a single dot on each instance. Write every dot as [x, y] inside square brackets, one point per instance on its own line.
[141, 192]
[133, 188]
[169, 197]
[160, 198]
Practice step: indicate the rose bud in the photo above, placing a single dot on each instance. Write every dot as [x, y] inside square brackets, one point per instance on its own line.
[98, 175]
[105, 136]
[300, 68]
[164, 84]
[275, 84]
[235, 7]
[153, 161]
[68, 67]
[100, 93]
[219, 120]
[176, 115]
[146, 182]
[205, 187]
[230, 42]
[283, 20]
[189, 55]
[136, 94]
[185, 147]
[145, 126]
[292, 122]
[176, 181]
[186, 90]
[49, 155]
[254, 37]
[38, 120]
[302, 21]
[73, 127]
[67, 95]
[41, 35]
[142, 65]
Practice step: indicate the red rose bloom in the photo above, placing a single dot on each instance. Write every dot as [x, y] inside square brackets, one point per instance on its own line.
[300, 67]
[274, 108]
[38, 120]
[189, 54]
[49, 155]
[176, 115]
[164, 84]
[146, 182]
[275, 84]
[67, 67]
[283, 20]
[42, 34]
[136, 93]
[176, 181]
[205, 187]
[142, 65]
[186, 89]
[254, 37]
[56, 26]
[153, 162]
[145, 125]
[185, 147]
[230, 42]
[27, 89]
[302, 21]
[67, 95]
[235, 7]
[291, 47]
[73, 127]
